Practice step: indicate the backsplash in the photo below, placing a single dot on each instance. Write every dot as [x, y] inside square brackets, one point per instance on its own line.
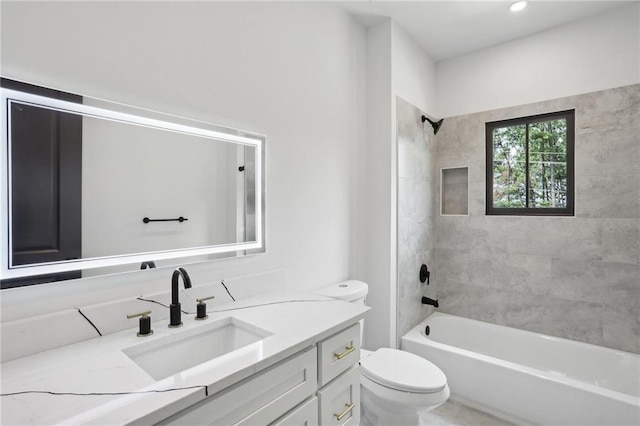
[39, 333]
[573, 277]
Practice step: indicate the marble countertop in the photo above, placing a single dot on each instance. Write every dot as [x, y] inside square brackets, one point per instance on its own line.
[94, 382]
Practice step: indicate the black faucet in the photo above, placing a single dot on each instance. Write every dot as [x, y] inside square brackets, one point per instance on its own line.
[150, 264]
[175, 313]
[427, 301]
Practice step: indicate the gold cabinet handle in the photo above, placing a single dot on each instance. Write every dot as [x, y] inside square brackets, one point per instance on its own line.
[347, 351]
[345, 412]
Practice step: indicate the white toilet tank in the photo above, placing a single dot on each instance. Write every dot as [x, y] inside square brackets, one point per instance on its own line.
[352, 291]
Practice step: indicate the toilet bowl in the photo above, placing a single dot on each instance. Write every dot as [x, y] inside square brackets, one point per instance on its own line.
[396, 387]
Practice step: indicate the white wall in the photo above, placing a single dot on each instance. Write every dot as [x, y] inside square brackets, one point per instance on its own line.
[293, 72]
[597, 53]
[375, 266]
[396, 66]
[414, 73]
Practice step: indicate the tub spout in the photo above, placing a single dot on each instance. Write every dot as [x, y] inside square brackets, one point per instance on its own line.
[427, 301]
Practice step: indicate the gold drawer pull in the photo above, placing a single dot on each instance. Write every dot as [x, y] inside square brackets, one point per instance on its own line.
[345, 412]
[348, 350]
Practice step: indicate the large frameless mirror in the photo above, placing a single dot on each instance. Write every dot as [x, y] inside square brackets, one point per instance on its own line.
[88, 186]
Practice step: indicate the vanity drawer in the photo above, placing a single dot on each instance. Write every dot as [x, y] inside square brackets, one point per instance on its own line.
[338, 353]
[304, 415]
[259, 400]
[339, 401]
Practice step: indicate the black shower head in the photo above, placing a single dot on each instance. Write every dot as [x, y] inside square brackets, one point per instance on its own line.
[435, 124]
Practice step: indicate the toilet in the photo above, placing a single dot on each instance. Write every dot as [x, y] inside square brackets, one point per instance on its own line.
[396, 387]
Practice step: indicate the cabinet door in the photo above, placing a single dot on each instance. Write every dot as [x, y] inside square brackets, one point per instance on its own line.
[338, 353]
[340, 400]
[304, 415]
[258, 400]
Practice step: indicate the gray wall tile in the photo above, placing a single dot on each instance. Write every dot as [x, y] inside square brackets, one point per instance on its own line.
[477, 203]
[471, 301]
[569, 238]
[621, 327]
[617, 152]
[608, 196]
[608, 110]
[416, 214]
[598, 282]
[621, 240]
[556, 317]
[577, 278]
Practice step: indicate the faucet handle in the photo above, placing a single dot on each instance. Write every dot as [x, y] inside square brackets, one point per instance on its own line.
[145, 323]
[204, 298]
[201, 308]
[144, 314]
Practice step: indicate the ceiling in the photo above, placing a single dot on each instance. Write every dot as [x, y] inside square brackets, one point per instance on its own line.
[446, 29]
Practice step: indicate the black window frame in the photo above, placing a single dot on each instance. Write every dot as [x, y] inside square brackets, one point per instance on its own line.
[569, 210]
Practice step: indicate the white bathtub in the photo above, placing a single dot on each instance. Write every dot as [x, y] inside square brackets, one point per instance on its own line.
[528, 377]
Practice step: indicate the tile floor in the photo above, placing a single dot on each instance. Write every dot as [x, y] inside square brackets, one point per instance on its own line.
[453, 413]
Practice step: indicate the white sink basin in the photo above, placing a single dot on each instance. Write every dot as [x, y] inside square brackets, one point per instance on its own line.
[166, 356]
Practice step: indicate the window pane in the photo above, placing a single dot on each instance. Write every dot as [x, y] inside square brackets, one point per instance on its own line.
[548, 164]
[509, 166]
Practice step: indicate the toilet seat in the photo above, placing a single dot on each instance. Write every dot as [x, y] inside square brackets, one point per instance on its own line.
[403, 371]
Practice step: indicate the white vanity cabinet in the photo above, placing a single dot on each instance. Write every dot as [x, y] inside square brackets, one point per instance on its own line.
[304, 415]
[317, 386]
[258, 400]
[339, 378]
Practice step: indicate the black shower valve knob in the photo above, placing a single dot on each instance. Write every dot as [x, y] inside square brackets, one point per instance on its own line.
[425, 274]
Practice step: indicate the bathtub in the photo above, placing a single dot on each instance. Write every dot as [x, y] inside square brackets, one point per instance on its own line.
[530, 378]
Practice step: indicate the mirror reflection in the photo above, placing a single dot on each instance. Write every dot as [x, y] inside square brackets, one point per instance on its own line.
[89, 187]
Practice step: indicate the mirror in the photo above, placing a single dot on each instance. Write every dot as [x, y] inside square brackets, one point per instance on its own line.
[90, 184]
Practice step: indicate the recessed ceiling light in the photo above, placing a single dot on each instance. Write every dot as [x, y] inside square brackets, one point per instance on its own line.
[517, 6]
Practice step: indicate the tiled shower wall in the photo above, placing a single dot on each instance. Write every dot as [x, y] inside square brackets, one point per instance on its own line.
[416, 214]
[573, 277]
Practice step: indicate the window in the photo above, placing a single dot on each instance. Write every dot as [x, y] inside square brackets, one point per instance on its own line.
[530, 165]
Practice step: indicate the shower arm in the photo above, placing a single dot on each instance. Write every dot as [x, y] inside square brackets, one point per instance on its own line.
[435, 124]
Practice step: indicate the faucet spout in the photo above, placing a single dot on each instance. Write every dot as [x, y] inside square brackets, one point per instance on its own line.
[427, 301]
[175, 312]
[175, 279]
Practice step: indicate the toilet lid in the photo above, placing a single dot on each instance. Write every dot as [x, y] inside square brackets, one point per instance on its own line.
[403, 371]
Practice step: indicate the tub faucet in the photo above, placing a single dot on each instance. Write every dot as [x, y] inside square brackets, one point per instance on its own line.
[175, 313]
[427, 301]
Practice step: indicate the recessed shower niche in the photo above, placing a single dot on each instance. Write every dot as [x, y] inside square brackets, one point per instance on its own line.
[454, 191]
